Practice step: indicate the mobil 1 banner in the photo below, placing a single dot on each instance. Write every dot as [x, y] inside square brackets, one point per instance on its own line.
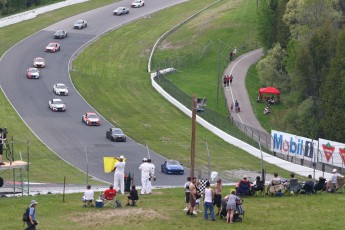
[331, 152]
[292, 145]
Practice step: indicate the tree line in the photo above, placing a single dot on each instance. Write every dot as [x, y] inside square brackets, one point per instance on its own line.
[8, 7]
[305, 44]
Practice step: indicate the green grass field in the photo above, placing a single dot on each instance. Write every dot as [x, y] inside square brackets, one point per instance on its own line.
[164, 210]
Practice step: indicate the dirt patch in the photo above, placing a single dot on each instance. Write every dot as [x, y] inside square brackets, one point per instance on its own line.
[108, 216]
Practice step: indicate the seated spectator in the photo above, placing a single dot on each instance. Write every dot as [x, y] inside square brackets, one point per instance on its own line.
[271, 101]
[133, 197]
[308, 187]
[287, 182]
[267, 110]
[243, 187]
[275, 185]
[109, 194]
[88, 197]
[258, 185]
[332, 182]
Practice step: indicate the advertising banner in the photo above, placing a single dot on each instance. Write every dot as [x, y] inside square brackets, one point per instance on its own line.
[331, 152]
[292, 145]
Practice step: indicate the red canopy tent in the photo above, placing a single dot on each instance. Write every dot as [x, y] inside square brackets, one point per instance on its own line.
[269, 90]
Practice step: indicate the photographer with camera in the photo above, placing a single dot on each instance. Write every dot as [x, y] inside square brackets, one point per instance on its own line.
[152, 176]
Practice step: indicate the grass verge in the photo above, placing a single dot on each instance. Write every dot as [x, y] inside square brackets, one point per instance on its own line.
[164, 210]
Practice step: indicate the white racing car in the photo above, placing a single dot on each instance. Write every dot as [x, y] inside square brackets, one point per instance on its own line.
[57, 105]
[60, 89]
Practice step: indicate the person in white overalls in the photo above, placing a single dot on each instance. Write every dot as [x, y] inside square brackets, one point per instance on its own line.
[145, 169]
[152, 176]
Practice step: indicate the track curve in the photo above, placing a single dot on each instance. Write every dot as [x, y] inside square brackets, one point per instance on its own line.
[63, 132]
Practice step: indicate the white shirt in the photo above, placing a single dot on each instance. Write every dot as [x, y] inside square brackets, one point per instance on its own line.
[208, 195]
[186, 185]
[334, 177]
[120, 167]
[152, 171]
[88, 194]
[145, 170]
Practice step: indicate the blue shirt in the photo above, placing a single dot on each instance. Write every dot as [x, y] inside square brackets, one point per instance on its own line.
[32, 213]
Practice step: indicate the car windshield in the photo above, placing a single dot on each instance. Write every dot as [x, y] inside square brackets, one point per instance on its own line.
[33, 70]
[173, 163]
[137, 1]
[61, 87]
[57, 102]
[79, 22]
[92, 115]
[51, 44]
[117, 131]
[60, 32]
[39, 60]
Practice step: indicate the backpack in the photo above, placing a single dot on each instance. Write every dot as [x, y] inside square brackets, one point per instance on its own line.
[26, 215]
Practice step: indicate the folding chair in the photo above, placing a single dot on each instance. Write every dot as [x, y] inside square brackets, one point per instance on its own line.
[275, 187]
[111, 203]
[243, 189]
[340, 184]
[259, 188]
[294, 187]
[319, 186]
[308, 188]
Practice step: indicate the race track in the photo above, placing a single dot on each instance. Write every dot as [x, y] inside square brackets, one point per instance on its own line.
[63, 132]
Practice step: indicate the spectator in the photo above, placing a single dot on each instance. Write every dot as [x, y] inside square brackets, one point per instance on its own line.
[234, 52]
[237, 106]
[151, 176]
[227, 80]
[88, 196]
[198, 196]
[231, 55]
[287, 182]
[308, 186]
[192, 197]
[133, 196]
[267, 110]
[109, 194]
[275, 184]
[231, 206]
[187, 193]
[145, 169]
[331, 183]
[218, 195]
[244, 187]
[32, 222]
[208, 202]
[224, 80]
[231, 77]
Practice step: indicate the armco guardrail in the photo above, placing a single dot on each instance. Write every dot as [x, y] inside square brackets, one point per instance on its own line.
[149, 67]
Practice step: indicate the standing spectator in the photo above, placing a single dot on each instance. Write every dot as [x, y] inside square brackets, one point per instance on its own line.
[231, 77]
[119, 175]
[133, 196]
[151, 176]
[234, 52]
[224, 80]
[145, 176]
[227, 80]
[198, 197]
[231, 206]
[187, 193]
[88, 196]
[32, 222]
[2, 141]
[192, 197]
[231, 55]
[208, 204]
[218, 195]
[237, 106]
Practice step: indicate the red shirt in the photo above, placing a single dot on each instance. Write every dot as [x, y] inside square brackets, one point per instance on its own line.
[110, 194]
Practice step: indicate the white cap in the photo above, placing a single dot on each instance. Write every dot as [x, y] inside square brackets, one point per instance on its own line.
[145, 159]
[334, 170]
[122, 157]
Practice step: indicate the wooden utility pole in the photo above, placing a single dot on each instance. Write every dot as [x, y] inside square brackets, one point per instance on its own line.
[192, 155]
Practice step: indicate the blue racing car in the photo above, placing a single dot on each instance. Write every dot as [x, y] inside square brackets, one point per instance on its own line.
[172, 167]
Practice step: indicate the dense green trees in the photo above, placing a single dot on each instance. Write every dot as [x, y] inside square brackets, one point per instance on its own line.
[305, 60]
[8, 7]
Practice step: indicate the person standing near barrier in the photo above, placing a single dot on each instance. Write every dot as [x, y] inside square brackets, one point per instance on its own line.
[119, 175]
[151, 176]
[218, 195]
[145, 169]
[237, 106]
[208, 201]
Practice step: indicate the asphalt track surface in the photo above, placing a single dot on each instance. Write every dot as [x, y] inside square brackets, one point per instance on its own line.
[63, 132]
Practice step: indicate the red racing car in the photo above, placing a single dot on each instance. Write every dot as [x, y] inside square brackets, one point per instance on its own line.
[91, 118]
[53, 47]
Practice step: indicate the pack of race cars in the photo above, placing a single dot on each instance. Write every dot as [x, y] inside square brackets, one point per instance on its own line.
[60, 89]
